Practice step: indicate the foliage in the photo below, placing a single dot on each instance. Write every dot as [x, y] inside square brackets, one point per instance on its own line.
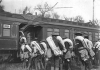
[1, 7]
[43, 9]
[55, 15]
[78, 19]
[68, 19]
[95, 22]
[47, 16]
[75, 19]
[26, 10]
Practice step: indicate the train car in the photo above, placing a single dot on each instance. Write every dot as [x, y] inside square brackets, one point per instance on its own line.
[40, 28]
[9, 36]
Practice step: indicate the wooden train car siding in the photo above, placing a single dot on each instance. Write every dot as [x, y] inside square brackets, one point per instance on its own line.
[12, 19]
[44, 33]
[14, 31]
[0, 29]
[68, 26]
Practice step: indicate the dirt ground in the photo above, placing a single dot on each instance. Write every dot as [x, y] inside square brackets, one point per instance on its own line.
[96, 68]
[14, 66]
[18, 66]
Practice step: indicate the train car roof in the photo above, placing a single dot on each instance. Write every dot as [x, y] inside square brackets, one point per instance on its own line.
[35, 20]
[12, 19]
[56, 22]
[41, 23]
[22, 18]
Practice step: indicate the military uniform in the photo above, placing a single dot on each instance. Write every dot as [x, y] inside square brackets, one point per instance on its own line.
[68, 54]
[97, 52]
[81, 49]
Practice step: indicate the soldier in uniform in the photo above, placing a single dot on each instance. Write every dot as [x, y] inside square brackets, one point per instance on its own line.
[80, 49]
[37, 54]
[25, 50]
[97, 52]
[90, 51]
[55, 59]
[68, 54]
[56, 44]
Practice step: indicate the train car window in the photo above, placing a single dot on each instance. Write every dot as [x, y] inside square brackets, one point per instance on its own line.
[49, 31]
[90, 36]
[0, 30]
[96, 36]
[99, 35]
[6, 32]
[56, 31]
[28, 38]
[66, 33]
[14, 31]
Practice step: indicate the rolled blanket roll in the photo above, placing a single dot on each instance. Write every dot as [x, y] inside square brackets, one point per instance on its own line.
[53, 46]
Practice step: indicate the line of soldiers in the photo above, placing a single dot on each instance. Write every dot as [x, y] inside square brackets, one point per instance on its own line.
[57, 53]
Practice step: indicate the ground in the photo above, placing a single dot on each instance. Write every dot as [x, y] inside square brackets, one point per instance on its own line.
[18, 66]
[96, 68]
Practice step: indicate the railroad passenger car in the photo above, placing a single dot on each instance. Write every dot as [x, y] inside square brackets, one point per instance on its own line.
[37, 27]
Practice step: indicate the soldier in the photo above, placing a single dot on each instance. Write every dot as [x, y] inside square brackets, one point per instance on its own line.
[37, 54]
[97, 52]
[90, 51]
[68, 54]
[56, 44]
[80, 49]
[25, 50]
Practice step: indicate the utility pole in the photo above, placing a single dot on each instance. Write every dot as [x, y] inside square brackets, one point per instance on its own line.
[93, 11]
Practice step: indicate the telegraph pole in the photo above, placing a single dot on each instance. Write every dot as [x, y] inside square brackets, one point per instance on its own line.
[93, 11]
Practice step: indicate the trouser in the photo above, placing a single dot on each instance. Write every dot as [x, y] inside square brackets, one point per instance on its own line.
[88, 64]
[66, 64]
[97, 58]
[38, 63]
[56, 63]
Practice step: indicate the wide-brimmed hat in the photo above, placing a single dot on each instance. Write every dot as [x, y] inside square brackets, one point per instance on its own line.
[78, 34]
[55, 34]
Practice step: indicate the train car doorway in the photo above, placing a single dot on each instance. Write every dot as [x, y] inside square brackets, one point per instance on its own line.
[31, 32]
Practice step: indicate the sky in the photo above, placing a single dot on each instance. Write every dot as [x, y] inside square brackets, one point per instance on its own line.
[82, 8]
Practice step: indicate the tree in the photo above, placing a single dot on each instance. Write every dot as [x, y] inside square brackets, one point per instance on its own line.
[47, 16]
[68, 19]
[26, 10]
[1, 7]
[43, 9]
[78, 19]
[95, 22]
[55, 15]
